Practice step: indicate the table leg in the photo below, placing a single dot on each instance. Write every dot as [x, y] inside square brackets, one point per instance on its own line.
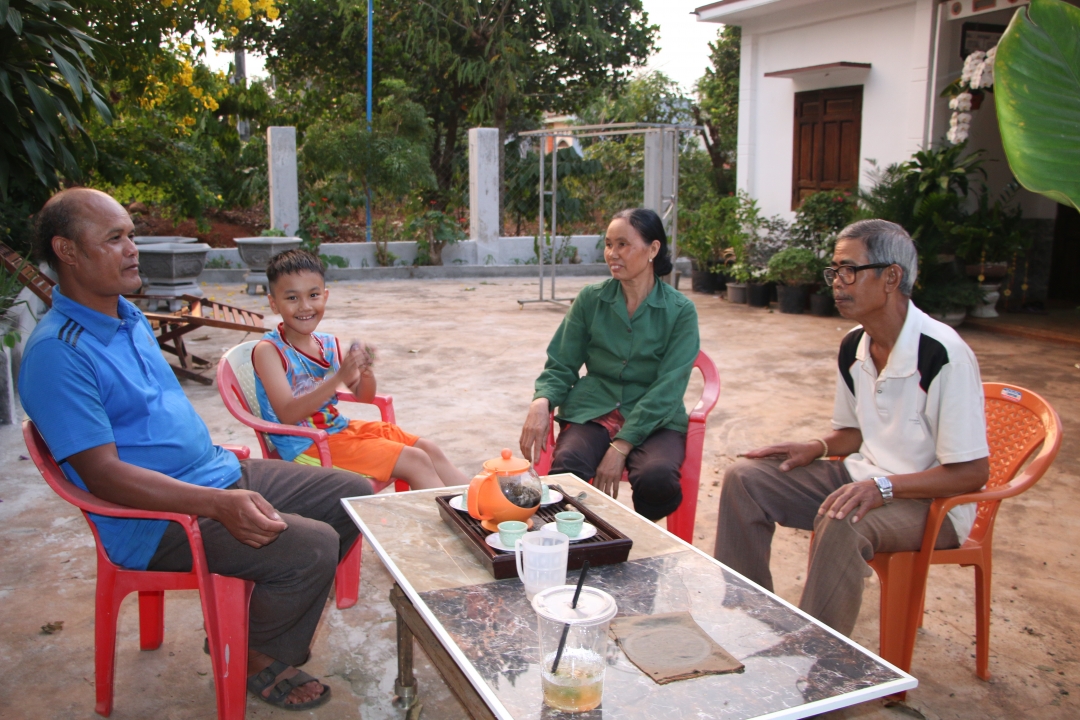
[405, 686]
[411, 625]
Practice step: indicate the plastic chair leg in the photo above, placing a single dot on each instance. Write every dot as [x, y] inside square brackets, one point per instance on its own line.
[151, 619]
[347, 577]
[982, 617]
[106, 610]
[225, 611]
[681, 522]
[894, 571]
[401, 486]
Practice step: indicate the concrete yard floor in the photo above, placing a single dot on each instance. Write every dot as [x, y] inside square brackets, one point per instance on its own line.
[460, 358]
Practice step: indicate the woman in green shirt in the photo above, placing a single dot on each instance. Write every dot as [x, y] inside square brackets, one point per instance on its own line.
[637, 338]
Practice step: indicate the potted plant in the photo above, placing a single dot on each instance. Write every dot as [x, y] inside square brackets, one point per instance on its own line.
[707, 231]
[948, 299]
[822, 303]
[793, 269]
[739, 274]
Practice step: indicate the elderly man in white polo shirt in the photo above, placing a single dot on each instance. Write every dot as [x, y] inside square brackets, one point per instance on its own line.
[912, 431]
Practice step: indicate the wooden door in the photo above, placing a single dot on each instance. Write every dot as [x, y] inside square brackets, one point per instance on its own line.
[828, 129]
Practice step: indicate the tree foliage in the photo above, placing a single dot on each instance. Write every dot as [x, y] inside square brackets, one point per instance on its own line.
[717, 110]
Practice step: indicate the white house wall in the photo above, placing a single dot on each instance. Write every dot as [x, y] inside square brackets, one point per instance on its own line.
[895, 38]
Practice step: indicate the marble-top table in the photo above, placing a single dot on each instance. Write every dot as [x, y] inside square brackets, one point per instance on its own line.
[481, 633]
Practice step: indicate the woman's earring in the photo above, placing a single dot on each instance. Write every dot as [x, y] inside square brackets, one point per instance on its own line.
[650, 259]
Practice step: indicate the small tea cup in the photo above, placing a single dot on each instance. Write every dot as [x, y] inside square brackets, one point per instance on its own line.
[569, 523]
[545, 496]
[465, 497]
[510, 531]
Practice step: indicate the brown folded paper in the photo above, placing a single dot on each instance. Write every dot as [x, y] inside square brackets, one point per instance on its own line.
[671, 647]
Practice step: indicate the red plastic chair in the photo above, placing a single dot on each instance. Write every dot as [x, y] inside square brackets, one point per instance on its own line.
[680, 522]
[224, 599]
[1018, 421]
[236, 384]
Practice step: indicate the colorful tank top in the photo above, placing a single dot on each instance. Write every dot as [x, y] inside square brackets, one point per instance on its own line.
[304, 373]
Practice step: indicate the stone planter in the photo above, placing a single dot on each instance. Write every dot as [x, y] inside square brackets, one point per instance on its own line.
[987, 271]
[757, 295]
[256, 253]
[792, 298]
[172, 270]
[736, 293]
[988, 307]
[952, 318]
[822, 305]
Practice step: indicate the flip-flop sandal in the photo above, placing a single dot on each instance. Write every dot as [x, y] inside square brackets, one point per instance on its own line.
[270, 679]
[206, 651]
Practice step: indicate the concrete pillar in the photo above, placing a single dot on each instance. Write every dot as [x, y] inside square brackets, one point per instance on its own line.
[484, 192]
[659, 171]
[281, 163]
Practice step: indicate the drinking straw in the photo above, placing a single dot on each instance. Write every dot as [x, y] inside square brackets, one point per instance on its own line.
[566, 626]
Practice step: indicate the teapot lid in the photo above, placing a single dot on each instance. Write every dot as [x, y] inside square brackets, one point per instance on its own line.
[507, 464]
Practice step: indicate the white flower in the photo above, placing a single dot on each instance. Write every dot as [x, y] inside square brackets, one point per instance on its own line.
[961, 102]
[972, 67]
[963, 118]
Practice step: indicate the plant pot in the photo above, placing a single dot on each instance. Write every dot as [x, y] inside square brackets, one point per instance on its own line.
[757, 295]
[156, 239]
[703, 281]
[256, 253]
[171, 270]
[822, 305]
[988, 307]
[792, 298]
[987, 271]
[720, 280]
[952, 318]
[736, 293]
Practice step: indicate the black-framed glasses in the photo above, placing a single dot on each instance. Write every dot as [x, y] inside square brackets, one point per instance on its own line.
[846, 273]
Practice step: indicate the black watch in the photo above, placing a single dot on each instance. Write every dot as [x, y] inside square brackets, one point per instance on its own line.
[884, 486]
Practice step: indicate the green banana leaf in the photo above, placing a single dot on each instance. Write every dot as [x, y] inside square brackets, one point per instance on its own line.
[1037, 94]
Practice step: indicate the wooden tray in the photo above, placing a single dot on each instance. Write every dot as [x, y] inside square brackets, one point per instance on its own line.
[607, 547]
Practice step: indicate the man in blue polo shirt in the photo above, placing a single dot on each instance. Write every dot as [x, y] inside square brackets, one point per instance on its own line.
[113, 414]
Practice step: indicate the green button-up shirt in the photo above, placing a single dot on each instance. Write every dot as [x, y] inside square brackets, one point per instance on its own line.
[638, 365]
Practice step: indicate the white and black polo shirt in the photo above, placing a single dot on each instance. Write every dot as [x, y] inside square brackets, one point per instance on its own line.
[923, 410]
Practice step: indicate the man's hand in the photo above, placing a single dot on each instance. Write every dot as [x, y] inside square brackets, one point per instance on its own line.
[248, 517]
[535, 430]
[855, 499]
[609, 472]
[794, 454]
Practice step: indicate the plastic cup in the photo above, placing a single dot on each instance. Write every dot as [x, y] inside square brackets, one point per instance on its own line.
[569, 523]
[577, 685]
[510, 531]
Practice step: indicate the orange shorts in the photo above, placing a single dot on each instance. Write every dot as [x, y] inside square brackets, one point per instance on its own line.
[370, 448]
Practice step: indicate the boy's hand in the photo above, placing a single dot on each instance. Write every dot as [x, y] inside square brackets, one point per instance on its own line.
[365, 351]
[351, 367]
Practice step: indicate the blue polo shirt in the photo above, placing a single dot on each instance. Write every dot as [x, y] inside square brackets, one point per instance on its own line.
[88, 379]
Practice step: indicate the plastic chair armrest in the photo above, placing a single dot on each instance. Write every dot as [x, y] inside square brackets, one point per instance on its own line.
[242, 452]
[385, 403]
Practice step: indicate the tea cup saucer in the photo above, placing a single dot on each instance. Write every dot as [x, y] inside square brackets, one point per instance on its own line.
[455, 502]
[496, 542]
[587, 531]
[554, 497]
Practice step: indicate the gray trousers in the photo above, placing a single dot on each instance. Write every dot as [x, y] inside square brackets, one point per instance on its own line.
[757, 496]
[292, 574]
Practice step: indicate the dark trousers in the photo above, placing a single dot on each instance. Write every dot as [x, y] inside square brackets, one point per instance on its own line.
[653, 466]
[292, 574]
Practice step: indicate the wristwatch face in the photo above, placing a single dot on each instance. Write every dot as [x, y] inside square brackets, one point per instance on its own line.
[885, 487]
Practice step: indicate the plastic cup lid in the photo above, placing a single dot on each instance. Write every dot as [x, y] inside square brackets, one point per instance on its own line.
[594, 605]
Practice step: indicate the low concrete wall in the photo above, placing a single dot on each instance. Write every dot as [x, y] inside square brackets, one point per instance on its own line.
[510, 251]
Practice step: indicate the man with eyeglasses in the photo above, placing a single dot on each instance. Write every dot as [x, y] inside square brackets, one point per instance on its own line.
[910, 431]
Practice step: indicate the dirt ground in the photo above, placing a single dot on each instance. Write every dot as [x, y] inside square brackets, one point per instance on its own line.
[459, 359]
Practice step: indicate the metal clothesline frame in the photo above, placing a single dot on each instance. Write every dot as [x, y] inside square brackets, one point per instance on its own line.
[585, 131]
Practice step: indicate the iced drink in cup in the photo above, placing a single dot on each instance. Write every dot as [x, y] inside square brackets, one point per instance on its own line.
[577, 682]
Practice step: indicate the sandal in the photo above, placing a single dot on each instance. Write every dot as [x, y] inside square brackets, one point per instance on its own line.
[279, 688]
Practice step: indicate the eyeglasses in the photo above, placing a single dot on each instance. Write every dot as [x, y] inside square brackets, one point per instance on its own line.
[846, 273]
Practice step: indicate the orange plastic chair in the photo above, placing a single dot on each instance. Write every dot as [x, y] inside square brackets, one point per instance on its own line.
[680, 522]
[224, 599]
[236, 384]
[1018, 421]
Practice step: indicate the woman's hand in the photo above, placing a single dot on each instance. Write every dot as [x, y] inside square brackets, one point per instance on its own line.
[610, 471]
[535, 430]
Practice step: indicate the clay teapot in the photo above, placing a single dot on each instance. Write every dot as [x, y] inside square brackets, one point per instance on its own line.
[506, 489]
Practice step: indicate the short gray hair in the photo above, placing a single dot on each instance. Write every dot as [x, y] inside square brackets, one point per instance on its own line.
[886, 242]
